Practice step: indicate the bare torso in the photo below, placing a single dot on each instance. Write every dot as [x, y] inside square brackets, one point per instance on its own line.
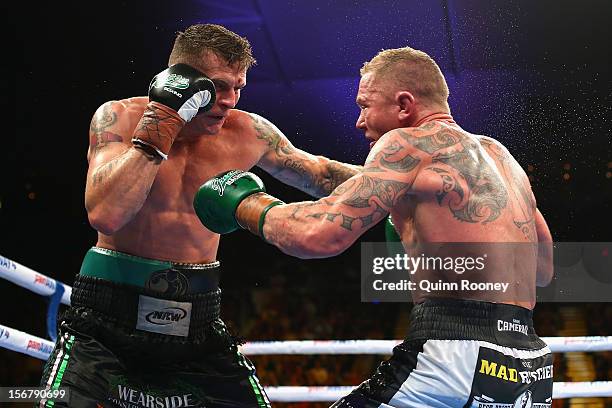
[471, 191]
[166, 226]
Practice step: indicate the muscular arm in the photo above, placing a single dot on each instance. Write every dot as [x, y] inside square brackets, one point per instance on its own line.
[119, 177]
[329, 226]
[545, 251]
[315, 175]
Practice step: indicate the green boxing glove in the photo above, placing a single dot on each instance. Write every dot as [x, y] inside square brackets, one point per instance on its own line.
[394, 241]
[390, 232]
[216, 201]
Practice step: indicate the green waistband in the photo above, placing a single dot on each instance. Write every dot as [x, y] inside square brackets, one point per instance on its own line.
[124, 268]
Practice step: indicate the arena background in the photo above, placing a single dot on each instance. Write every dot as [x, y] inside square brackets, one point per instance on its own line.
[535, 75]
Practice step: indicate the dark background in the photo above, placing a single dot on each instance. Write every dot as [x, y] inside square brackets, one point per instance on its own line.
[534, 75]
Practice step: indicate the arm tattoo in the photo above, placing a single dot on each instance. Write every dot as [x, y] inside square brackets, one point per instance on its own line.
[347, 220]
[298, 207]
[386, 192]
[320, 185]
[376, 195]
[388, 159]
[103, 120]
[371, 218]
[100, 174]
[319, 178]
[267, 133]
[336, 174]
[296, 167]
[99, 136]
[449, 184]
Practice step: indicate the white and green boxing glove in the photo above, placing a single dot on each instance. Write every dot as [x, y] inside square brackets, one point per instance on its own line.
[216, 202]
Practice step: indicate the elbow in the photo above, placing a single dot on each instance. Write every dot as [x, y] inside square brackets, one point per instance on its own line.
[104, 223]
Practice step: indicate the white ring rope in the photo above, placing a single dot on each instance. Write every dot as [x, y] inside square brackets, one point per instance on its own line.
[556, 344]
[25, 343]
[31, 280]
[334, 393]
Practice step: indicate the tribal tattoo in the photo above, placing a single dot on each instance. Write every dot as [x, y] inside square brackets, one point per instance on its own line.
[476, 192]
[432, 143]
[371, 190]
[388, 160]
[485, 196]
[369, 199]
[519, 189]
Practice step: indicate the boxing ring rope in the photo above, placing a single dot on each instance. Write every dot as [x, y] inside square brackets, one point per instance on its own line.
[32, 280]
[37, 347]
[556, 344]
[334, 393]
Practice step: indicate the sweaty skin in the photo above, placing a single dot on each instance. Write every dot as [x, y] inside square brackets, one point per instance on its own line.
[143, 207]
[441, 184]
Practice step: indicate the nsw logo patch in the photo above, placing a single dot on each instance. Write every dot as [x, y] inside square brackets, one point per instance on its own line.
[163, 316]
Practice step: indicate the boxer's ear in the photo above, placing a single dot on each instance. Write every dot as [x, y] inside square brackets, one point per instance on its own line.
[405, 102]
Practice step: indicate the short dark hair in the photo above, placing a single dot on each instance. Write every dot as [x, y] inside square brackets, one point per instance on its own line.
[196, 39]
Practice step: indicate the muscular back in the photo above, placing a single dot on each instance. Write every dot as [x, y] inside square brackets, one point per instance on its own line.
[468, 189]
[165, 226]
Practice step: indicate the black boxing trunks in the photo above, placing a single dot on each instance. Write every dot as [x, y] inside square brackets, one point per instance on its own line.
[144, 333]
[461, 353]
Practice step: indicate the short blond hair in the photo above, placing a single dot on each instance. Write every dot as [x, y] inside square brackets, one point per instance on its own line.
[412, 70]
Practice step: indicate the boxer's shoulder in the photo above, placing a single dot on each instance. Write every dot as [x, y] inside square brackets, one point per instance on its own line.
[118, 112]
[134, 105]
[431, 134]
[251, 126]
[495, 147]
[489, 142]
[237, 120]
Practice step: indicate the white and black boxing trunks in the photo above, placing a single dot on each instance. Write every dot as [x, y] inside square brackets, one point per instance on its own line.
[462, 353]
